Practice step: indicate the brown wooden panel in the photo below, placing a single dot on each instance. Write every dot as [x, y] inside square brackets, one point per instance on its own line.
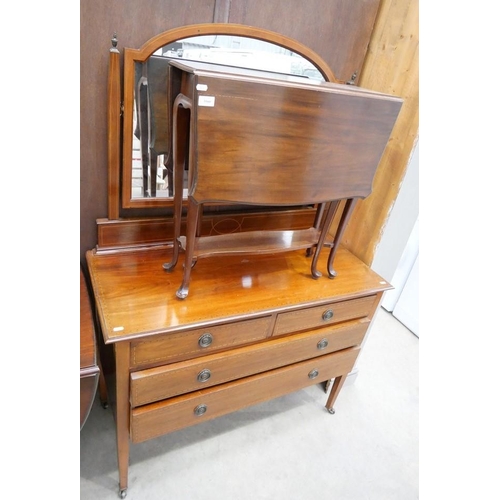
[126, 233]
[284, 142]
[177, 413]
[314, 317]
[164, 382]
[88, 347]
[88, 389]
[338, 30]
[186, 345]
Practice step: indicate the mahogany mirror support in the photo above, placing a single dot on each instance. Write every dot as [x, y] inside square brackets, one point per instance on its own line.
[114, 128]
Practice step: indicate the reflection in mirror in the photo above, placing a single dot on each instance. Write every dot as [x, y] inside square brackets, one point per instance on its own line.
[152, 169]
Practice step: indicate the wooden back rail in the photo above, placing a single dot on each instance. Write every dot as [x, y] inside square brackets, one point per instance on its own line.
[259, 140]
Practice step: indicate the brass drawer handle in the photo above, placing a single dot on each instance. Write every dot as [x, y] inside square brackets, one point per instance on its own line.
[313, 374]
[328, 314]
[204, 375]
[200, 410]
[322, 344]
[205, 340]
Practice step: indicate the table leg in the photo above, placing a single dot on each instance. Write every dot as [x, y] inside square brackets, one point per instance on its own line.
[344, 219]
[122, 359]
[180, 155]
[332, 209]
[193, 215]
[337, 386]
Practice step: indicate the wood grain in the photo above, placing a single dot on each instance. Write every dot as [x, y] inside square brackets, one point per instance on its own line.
[177, 413]
[136, 297]
[171, 380]
[391, 66]
[89, 370]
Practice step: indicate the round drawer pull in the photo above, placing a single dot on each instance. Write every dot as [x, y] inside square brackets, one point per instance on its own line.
[322, 344]
[328, 314]
[204, 375]
[205, 340]
[200, 410]
[313, 374]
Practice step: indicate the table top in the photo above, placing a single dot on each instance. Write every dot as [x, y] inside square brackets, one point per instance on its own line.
[135, 296]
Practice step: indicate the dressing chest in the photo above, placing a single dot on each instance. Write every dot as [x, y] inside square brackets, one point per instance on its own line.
[255, 328]
[257, 325]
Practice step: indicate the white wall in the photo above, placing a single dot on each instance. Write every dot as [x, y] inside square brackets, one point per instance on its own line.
[398, 249]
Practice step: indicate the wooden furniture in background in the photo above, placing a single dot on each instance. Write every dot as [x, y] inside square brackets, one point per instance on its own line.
[250, 323]
[89, 369]
[258, 138]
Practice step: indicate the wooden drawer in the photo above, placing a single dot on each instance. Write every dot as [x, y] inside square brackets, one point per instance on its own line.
[316, 317]
[174, 347]
[173, 414]
[164, 382]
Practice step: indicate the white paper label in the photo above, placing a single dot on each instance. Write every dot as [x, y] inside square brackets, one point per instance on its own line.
[206, 100]
[201, 86]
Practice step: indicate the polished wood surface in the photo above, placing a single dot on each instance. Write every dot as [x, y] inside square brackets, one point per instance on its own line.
[268, 324]
[116, 235]
[114, 132]
[171, 380]
[177, 413]
[329, 313]
[282, 141]
[136, 297]
[174, 347]
[89, 370]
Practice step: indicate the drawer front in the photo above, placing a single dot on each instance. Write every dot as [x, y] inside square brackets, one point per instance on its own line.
[170, 348]
[318, 316]
[164, 382]
[173, 414]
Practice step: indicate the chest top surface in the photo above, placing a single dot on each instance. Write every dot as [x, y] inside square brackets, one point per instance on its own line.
[135, 297]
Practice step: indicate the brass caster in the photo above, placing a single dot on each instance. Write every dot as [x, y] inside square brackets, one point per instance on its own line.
[331, 411]
[123, 493]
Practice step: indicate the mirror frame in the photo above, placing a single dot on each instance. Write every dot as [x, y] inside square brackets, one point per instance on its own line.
[131, 56]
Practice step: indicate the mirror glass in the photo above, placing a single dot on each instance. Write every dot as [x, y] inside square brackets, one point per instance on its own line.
[151, 155]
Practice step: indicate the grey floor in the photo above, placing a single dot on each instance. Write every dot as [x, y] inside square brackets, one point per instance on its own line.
[290, 448]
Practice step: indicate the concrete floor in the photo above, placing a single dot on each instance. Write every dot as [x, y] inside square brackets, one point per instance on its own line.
[286, 449]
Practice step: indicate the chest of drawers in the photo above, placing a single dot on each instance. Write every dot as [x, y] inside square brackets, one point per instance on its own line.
[255, 328]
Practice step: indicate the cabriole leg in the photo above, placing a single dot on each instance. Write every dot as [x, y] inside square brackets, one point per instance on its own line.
[194, 212]
[344, 219]
[332, 209]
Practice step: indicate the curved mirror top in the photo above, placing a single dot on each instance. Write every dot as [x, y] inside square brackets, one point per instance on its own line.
[152, 169]
[242, 52]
